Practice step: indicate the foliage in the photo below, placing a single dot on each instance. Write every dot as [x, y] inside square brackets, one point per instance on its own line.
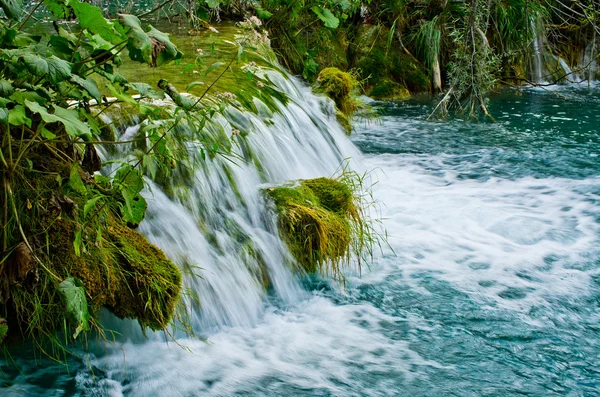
[52, 102]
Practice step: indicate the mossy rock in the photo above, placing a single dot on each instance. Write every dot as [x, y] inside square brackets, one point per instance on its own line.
[152, 283]
[118, 267]
[338, 86]
[389, 90]
[315, 220]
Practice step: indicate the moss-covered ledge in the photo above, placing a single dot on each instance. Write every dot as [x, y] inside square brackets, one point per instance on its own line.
[323, 224]
[51, 283]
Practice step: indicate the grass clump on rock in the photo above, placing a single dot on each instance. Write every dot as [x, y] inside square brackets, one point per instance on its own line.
[324, 223]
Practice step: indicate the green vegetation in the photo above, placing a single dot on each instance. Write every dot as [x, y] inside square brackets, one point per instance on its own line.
[464, 48]
[325, 223]
[68, 244]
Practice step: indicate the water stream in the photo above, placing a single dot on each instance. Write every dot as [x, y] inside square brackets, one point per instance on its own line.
[493, 290]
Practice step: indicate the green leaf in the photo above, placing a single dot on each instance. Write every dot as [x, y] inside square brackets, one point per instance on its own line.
[90, 204]
[12, 8]
[91, 18]
[262, 13]
[135, 208]
[54, 68]
[4, 115]
[213, 67]
[169, 52]
[120, 95]
[139, 44]
[89, 85]
[129, 179]
[17, 116]
[77, 242]
[58, 8]
[330, 20]
[47, 134]
[58, 69]
[75, 181]
[72, 296]
[213, 3]
[194, 84]
[69, 118]
[6, 88]
[61, 45]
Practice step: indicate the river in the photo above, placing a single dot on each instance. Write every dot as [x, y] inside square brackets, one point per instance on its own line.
[490, 286]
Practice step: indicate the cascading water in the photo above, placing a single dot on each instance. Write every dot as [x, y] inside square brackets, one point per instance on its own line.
[216, 227]
[569, 75]
[588, 65]
[493, 290]
[537, 60]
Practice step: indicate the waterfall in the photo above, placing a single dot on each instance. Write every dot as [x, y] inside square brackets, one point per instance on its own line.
[537, 62]
[568, 73]
[217, 226]
[588, 66]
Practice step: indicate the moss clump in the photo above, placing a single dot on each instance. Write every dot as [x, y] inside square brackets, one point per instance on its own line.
[151, 284]
[118, 267]
[344, 122]
[338, 86]
[389, 90]
[316, 220]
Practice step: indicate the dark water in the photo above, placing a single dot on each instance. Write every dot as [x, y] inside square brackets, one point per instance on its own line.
[494, 288]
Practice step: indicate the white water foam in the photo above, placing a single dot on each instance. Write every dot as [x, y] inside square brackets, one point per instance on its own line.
[513, 242]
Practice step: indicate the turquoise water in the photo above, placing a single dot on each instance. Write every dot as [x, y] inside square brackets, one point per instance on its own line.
[493, 290]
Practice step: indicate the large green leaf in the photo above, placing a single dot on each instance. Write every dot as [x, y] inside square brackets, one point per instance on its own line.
[58, 8]
[54, 68]
[58, 69]
[72, 296]
[139, 44]
[17, 116]
[12, 8]
[129, 179]
[89, 85]
[91, 18]
[69, 118]
[330, 20]
[6, 88]
[135, 208]
[170, 51]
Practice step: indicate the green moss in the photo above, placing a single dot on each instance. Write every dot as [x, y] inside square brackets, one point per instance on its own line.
[344, 122]
[315, 220]
[338, 86]
[151, 285]
[118, 267]
[389, 90]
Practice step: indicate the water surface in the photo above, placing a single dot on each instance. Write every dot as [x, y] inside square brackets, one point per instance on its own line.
[493, 290]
